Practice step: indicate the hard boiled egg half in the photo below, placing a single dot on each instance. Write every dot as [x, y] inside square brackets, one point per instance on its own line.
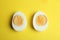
[19, 21]
[40, 21]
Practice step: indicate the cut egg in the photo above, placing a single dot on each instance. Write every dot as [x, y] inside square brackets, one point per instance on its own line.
[40, 21]
[19, 21]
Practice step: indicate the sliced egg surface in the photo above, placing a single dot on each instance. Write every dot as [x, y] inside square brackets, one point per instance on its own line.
[40, 21]
[19, 21]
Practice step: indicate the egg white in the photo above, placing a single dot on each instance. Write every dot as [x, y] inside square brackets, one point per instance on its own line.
[23, 26]
[36, 27]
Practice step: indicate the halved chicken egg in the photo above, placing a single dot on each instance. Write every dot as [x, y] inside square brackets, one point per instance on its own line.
[19, 21]
[40, 21]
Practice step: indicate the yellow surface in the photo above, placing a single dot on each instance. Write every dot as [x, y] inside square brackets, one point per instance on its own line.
[29, 7]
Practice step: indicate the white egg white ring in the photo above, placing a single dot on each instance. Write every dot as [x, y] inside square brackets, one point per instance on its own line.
[36, 27]
[23, 26]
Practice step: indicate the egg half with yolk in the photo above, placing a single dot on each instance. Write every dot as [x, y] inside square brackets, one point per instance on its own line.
[19, 21]
[40, 21]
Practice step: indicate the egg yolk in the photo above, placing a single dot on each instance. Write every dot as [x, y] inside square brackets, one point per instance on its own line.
[18, 20]
[41, 20]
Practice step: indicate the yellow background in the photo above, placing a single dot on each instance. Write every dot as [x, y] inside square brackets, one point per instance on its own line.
[29, 7]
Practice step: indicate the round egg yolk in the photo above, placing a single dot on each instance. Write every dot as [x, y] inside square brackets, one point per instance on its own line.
[18, 20]
[41, 20]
